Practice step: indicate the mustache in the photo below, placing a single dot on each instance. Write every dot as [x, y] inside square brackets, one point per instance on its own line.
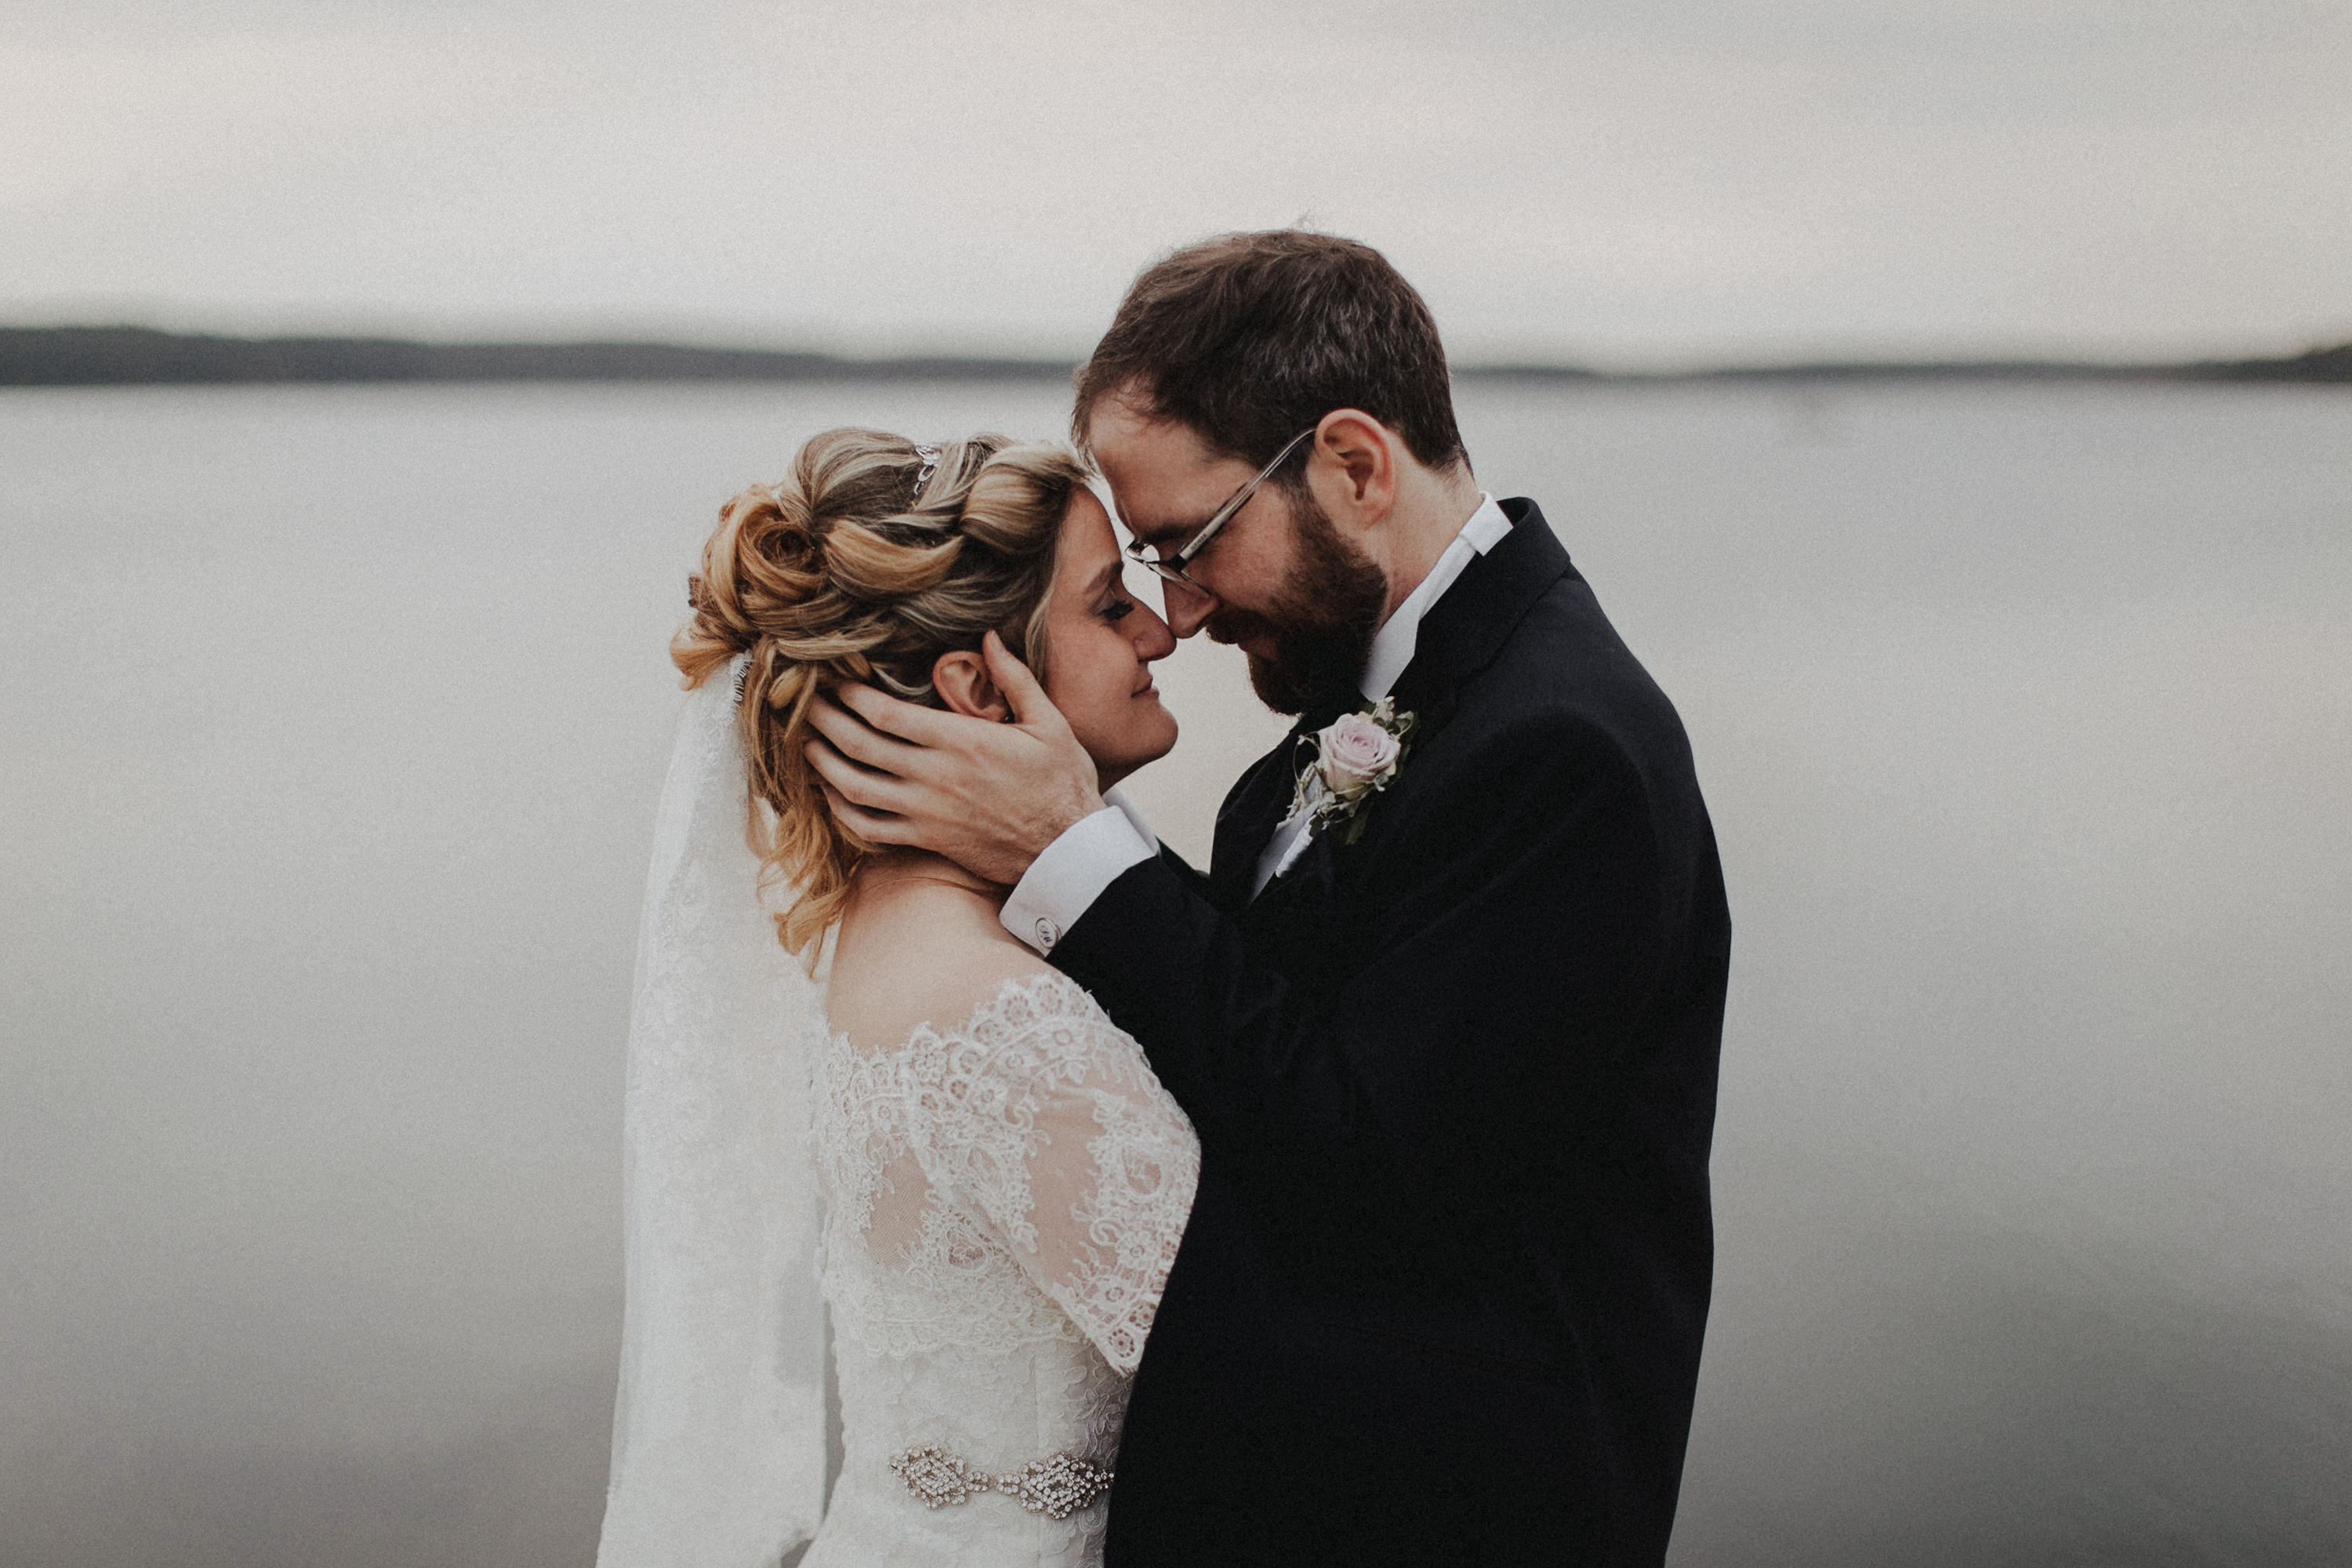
[1230, 626]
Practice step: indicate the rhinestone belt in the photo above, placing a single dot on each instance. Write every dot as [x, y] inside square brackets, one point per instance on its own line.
[1057, 1487]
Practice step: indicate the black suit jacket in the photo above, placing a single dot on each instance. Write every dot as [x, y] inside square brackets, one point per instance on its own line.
[1442, 1293]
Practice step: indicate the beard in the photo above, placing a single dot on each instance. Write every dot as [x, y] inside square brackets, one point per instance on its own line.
[1321, 620]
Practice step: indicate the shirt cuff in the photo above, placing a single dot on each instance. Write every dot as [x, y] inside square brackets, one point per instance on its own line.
[1064, 882]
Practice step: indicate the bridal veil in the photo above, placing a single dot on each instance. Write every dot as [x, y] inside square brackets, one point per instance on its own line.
[719, 1436]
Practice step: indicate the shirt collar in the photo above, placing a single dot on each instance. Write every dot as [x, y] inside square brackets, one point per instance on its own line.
[1393, 644]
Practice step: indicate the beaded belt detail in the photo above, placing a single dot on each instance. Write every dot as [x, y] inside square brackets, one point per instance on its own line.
[1057, 1487]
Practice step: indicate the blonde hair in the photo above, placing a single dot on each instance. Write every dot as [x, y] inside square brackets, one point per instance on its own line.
[846, 571]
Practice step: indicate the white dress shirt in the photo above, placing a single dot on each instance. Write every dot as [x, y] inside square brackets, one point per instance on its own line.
[1064, 882]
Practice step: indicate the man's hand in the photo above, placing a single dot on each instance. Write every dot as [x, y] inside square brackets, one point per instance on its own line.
[990, 797]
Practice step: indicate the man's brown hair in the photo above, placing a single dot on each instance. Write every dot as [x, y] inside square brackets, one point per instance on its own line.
[1251, 337]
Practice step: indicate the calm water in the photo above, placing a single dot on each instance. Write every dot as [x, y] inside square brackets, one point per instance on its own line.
[333, 722]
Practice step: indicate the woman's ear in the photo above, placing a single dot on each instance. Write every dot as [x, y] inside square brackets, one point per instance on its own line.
[964, 684]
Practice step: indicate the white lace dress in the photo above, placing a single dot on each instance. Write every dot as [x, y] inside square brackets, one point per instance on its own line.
[1005, 1199]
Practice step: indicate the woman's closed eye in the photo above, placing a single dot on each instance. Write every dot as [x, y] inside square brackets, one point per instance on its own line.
[1117, 608]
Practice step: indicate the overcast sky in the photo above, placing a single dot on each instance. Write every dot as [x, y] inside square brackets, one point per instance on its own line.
[1622, 181]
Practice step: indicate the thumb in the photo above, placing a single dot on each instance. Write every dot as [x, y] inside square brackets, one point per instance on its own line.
[1031, 706]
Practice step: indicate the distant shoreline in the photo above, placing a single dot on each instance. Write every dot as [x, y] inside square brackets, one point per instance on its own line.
[142, 356]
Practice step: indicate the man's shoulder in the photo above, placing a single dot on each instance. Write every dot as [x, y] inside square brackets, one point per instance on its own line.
[1563, 675]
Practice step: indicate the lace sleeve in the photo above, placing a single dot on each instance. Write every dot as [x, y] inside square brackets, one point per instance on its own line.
[1074, 1156]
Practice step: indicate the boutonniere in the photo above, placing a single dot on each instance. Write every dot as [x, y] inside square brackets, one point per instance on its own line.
[1357, 755]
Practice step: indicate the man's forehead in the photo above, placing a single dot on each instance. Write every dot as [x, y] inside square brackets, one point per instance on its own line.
[1162, 474]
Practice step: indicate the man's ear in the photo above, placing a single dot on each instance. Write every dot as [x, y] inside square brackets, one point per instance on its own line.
[1364, 452]
[964, 684]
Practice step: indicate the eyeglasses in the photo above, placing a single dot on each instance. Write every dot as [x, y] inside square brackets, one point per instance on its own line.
[1172, 567]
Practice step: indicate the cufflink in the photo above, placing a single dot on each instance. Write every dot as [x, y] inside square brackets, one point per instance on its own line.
[1048, 933]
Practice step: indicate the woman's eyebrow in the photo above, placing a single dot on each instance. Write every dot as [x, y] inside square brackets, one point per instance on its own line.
[1104, 578]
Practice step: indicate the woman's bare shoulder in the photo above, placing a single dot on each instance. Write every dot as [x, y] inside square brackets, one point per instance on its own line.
[920, 954]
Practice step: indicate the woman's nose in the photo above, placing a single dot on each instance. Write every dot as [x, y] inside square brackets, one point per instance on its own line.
[1153, 640]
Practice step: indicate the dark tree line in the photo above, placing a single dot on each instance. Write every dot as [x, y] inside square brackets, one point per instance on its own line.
[121, 356]
[96, 356]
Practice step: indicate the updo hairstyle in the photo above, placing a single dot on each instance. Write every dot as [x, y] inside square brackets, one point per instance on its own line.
[846, 571]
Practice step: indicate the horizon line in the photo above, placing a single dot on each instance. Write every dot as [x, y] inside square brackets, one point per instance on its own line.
[128, 354]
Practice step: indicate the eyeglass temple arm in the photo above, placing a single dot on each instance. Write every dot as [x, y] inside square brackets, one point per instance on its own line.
[1241, 498]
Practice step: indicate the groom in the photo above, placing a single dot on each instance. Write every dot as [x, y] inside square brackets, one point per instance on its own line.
[1446, 1007]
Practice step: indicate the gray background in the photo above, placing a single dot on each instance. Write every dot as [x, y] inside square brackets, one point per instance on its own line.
[335, 721]
[1614, 179]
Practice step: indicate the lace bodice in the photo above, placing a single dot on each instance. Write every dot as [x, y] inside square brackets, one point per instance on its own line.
[1005, 1199]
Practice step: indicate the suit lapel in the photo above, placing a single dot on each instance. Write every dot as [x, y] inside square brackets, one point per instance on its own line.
[1258, 802]
[1253, 808]
[1467, 628]
[1459, 636]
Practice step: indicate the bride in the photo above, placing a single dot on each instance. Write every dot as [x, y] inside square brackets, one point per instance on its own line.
[849, 1089]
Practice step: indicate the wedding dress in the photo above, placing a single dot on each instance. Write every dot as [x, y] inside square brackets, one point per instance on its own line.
[989, 1208]
[1005, 1199]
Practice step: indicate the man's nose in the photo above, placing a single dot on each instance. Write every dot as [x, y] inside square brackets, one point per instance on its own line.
[1189, 608]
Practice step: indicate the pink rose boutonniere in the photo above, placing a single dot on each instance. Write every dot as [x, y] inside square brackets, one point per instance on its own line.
[1357, 755]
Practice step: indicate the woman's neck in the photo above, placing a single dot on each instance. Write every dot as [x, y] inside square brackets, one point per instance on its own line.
[890, 869]
[905, 900]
